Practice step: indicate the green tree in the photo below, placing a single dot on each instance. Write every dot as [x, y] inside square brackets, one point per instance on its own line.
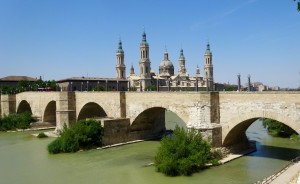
[229, 88]
[183, 153]
[99, 88]
[277, 128]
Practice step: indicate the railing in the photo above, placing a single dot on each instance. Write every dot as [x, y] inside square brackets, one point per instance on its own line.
[269, 179]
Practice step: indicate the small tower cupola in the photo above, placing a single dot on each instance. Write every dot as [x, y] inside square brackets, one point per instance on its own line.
[144, 39]
[131, 70]
[208, 52]
[120, 49]
[197, 70]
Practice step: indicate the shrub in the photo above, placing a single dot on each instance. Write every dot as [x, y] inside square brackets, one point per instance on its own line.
[84, 134]
[55, 146]
[13, 121]
[183, 153]
[42, 135]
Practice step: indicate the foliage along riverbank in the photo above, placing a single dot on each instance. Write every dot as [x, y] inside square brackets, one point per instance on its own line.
[16, 121]
[85, 134]
[278, 129]
[184, 153]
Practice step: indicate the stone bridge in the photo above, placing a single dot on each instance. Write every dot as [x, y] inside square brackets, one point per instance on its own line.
[134, 115]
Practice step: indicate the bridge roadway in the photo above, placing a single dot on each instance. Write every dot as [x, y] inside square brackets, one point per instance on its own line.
[223, 116]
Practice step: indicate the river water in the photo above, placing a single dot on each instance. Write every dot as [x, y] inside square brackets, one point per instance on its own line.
[24, 159]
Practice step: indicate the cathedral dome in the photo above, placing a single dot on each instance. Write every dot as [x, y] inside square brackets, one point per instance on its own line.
[166, 65]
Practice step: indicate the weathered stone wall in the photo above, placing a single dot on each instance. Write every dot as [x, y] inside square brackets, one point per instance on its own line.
[115, 131]
[109, 101]
[38, 101]
[189, 106]
[236, 108]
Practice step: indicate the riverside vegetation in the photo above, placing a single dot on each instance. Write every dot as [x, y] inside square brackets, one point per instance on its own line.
[276, 128]
[184, 153]
[85, 134]
[16, 121]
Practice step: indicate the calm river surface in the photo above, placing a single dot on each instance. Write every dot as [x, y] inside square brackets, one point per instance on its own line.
[24, 159]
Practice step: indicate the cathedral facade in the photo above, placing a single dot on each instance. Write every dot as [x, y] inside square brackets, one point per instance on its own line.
[165, 79]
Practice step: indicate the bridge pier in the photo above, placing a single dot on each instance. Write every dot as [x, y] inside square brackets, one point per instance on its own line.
[8, 104]
[65, 110]
[205, 117]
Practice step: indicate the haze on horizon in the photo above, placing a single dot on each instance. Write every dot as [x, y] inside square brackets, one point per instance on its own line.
[59, 39]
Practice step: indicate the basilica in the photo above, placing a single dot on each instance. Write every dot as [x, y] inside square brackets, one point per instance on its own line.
[166, 79]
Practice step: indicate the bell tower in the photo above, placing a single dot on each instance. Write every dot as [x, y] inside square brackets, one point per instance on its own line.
[120, 66]
[208, 68]
[145, 63]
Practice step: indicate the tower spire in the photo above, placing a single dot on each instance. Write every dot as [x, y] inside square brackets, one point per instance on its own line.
[144, 39]
[120, 44]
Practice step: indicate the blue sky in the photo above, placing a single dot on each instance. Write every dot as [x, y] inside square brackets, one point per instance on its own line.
[59, 39]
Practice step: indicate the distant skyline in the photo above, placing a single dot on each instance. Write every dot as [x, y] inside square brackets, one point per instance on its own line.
[58, 39]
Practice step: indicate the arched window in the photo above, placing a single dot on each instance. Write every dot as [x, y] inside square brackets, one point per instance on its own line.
[146, 69]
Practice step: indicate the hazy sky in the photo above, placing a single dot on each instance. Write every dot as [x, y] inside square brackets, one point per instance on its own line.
[59, 39]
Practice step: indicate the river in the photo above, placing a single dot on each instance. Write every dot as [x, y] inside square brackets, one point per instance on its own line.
[24, 160]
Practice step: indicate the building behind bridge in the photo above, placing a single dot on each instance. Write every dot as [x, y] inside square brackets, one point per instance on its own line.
[166, 79]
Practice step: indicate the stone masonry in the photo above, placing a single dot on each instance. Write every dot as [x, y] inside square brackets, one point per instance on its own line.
[223, 117]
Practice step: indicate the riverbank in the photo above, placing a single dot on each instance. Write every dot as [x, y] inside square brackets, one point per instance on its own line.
[291, 175]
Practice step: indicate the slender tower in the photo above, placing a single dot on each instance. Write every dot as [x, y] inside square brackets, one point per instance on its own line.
[181, 60]
[144, 63]
[120, 67]
[208, 68]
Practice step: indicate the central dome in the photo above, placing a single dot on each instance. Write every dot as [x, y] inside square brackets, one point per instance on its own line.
[166, 66]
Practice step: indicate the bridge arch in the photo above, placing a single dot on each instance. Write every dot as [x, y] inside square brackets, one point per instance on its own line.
[91, 110]
[152, 123]
[24, 106]
[235, 131]
[50, 113]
